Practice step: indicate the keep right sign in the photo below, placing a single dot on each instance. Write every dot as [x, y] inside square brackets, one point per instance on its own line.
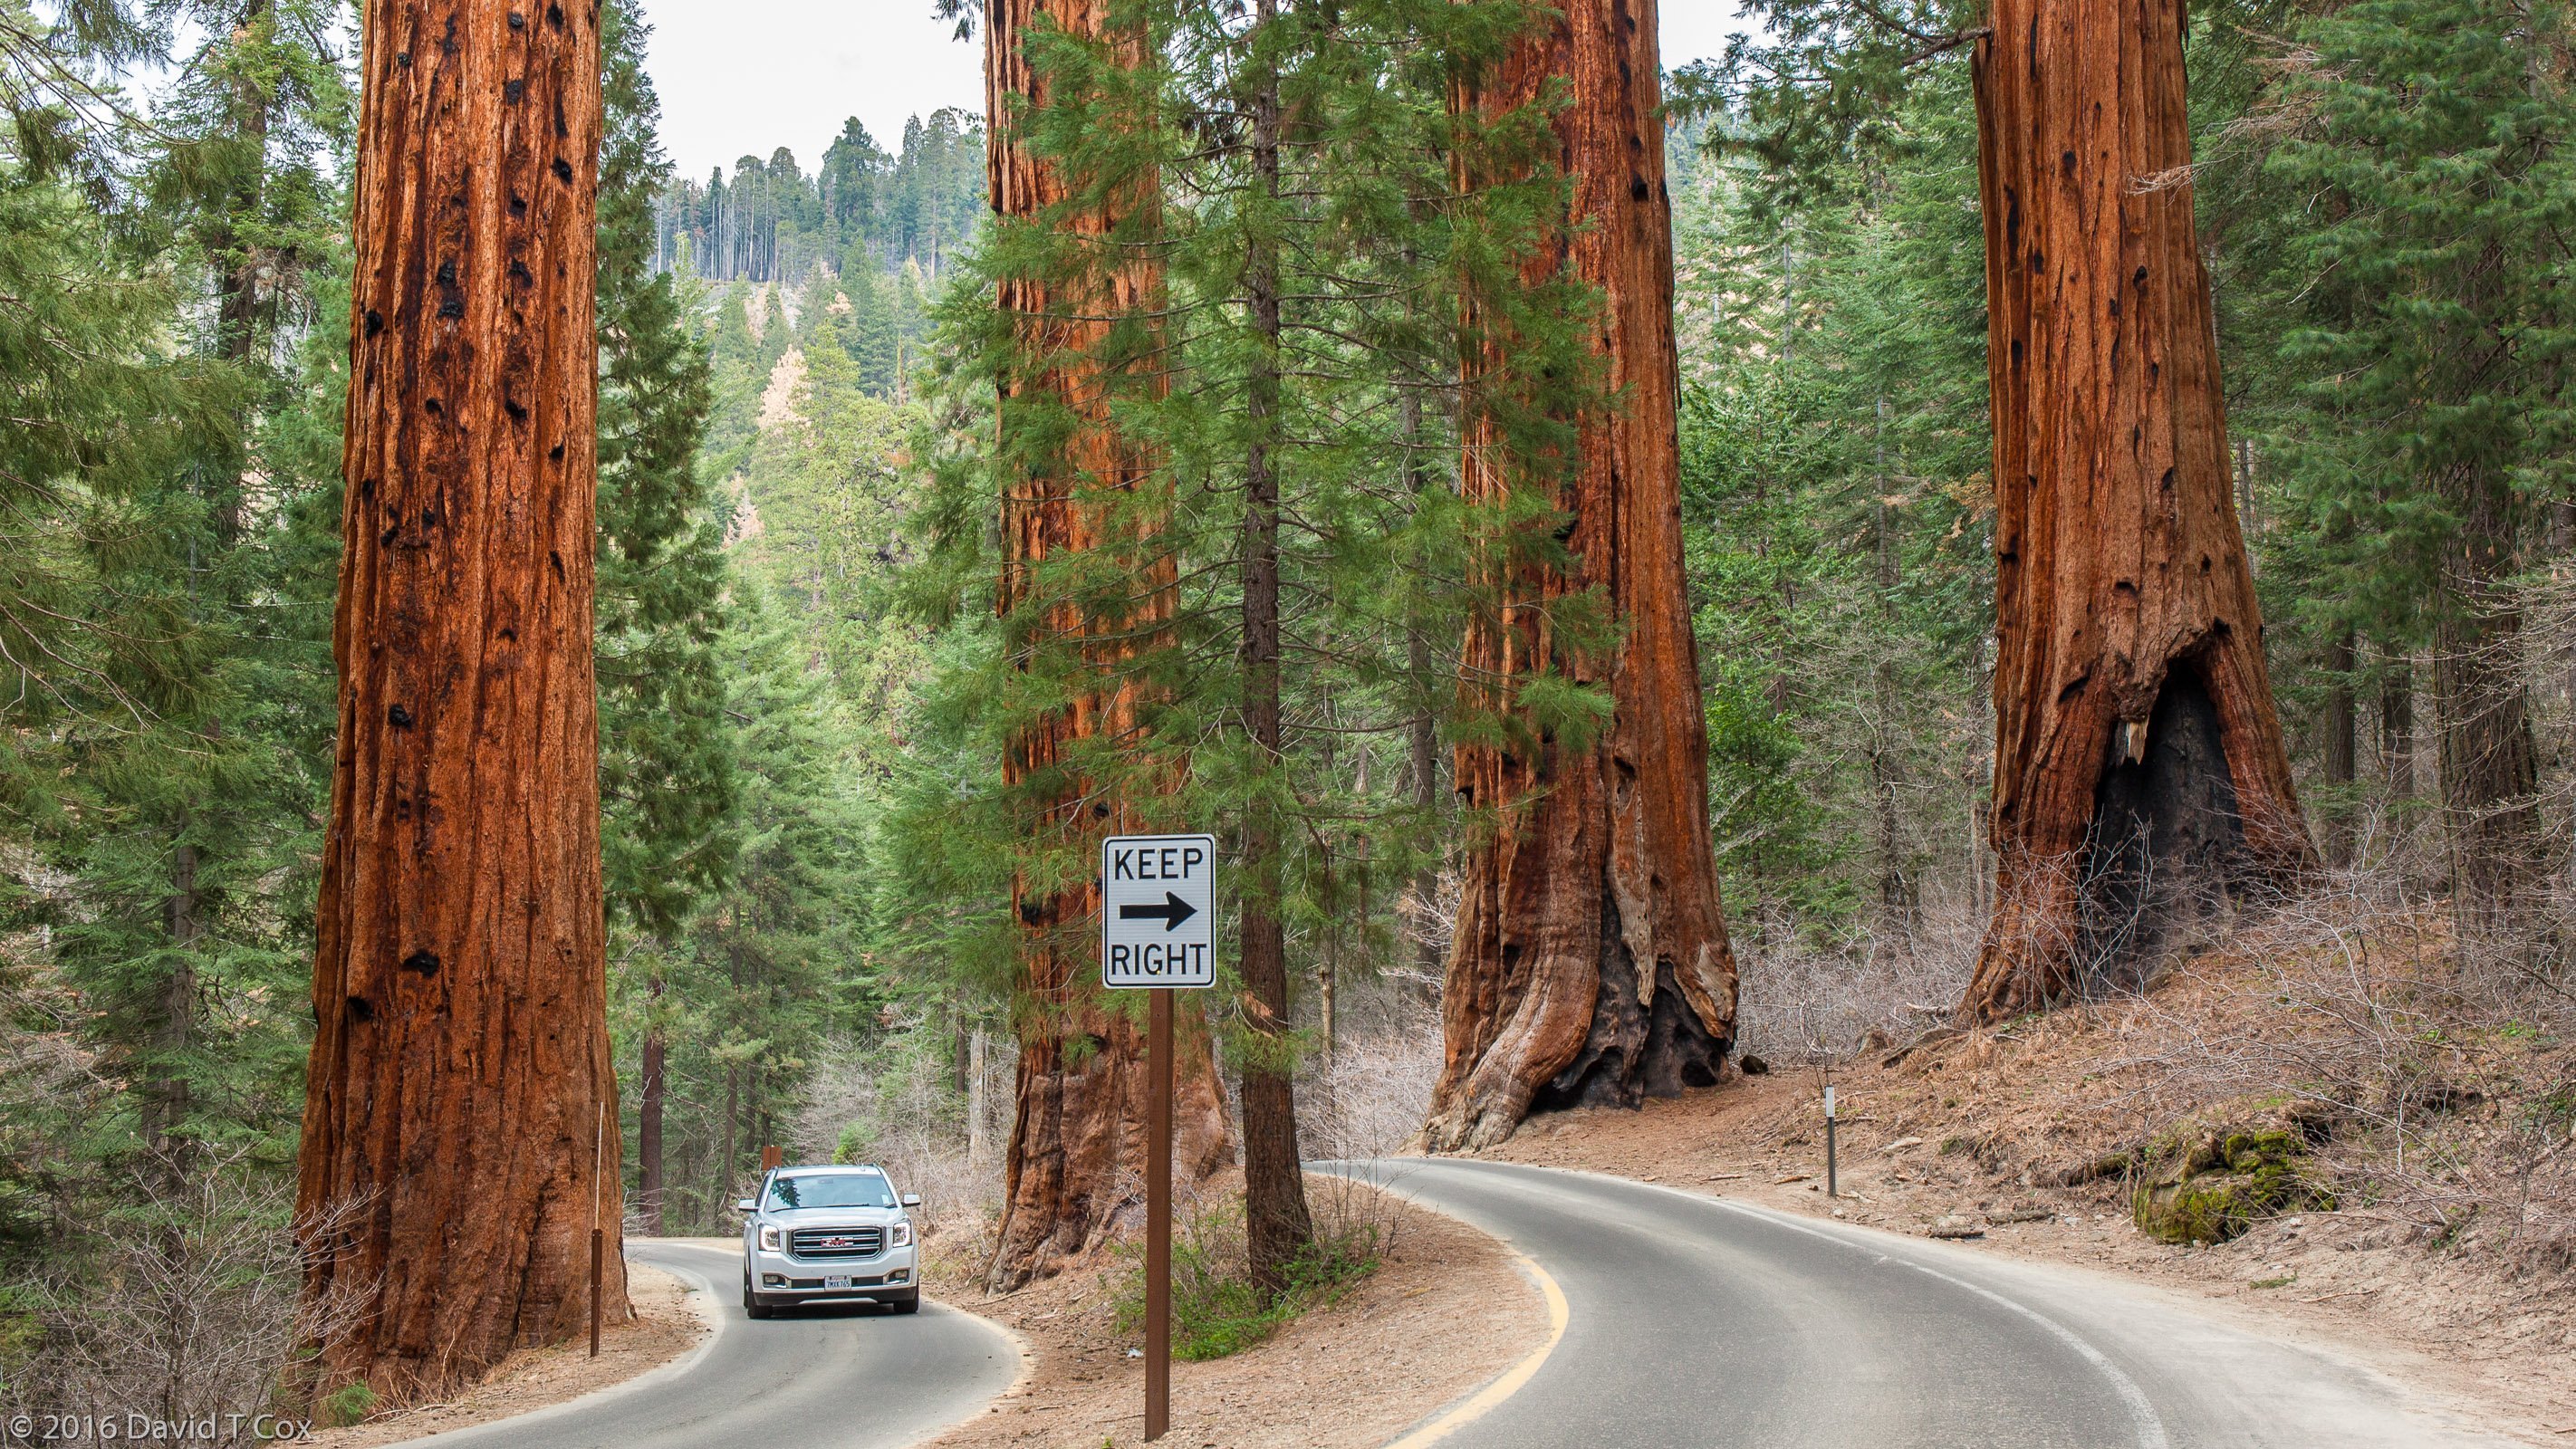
[1158, 911]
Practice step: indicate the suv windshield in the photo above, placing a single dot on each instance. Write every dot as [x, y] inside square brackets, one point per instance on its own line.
[831, 1190]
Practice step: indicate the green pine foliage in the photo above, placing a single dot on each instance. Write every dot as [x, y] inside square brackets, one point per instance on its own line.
[169, 858]
[2420, 307]
[666, 785]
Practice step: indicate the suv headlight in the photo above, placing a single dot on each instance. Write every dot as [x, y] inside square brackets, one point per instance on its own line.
[900, 1236]
[769, 1240]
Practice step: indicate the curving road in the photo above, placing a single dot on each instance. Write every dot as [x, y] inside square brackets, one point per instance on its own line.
[1700, 1321]
[824, 1378]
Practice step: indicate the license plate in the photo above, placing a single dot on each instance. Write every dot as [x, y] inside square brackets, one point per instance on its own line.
[838, 1280]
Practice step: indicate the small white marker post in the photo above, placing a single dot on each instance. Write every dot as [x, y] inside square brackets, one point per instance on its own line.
[1829, 1141]
[1158, 934]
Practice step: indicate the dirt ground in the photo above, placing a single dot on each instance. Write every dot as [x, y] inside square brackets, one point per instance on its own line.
[1349, 1376]
[1945, 1142]
[666, 1325]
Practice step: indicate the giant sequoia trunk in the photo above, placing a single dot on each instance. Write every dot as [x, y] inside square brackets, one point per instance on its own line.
[460, 1062]
[1590, 964]
[2138, 761]
[1074, 1170]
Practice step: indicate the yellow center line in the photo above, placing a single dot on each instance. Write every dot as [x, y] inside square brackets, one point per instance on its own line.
[1485, 1400]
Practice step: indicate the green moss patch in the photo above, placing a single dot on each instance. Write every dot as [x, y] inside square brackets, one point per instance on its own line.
[2208, 1181]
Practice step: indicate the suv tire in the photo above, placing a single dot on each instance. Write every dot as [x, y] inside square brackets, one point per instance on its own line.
[753, 1305]
[905, 1305]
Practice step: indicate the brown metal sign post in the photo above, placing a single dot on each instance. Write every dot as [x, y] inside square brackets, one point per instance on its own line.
[1158, 934]
[1158, 1219]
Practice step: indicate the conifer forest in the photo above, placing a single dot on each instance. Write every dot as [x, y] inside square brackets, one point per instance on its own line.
[536, 682]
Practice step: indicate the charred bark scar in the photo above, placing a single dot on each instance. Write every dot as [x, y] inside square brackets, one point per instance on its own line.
[563, 171]
[512, 91]
[424, 962]
[397, 716]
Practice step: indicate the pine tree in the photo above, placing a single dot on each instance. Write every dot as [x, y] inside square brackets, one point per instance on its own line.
[2432, 321]
[111, 655]
[666, 765]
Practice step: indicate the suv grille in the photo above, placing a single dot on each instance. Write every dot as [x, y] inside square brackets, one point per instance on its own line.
[832, 1243]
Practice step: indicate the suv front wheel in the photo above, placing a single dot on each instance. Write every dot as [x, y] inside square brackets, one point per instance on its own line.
[752, 1306]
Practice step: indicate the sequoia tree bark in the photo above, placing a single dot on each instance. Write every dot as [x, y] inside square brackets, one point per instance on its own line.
[1590, 964]
[1074, 1170]
[460, 1064]
[2139, 763]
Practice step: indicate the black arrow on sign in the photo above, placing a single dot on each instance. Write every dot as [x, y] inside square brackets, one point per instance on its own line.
[1171, 912]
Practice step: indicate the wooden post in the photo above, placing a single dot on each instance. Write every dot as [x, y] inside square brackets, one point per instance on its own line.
[598, 1149]
[1158, 1218]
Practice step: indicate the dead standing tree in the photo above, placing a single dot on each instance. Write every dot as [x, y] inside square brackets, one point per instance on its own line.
[1082, 576]
[460, 1063]
[1590, 964]
[2139, 761]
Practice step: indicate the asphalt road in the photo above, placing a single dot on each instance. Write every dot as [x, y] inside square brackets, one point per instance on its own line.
[1699, 1321]
[846, 1377]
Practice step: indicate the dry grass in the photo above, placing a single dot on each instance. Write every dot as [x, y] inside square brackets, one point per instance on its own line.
[185, 1302]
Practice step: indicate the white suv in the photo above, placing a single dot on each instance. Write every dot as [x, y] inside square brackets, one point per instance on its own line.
[836, 1234]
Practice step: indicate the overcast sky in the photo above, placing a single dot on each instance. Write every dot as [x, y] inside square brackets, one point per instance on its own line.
[741, 76]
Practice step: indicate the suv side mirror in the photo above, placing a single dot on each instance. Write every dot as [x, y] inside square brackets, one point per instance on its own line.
[912, 1199]
[746, 1205]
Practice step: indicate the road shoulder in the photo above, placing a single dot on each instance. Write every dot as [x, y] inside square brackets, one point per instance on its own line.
[1354, 1375]
[2397, 1311]
[671, 1320]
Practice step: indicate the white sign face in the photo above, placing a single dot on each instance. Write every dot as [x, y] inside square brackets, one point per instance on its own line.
[1158, 911]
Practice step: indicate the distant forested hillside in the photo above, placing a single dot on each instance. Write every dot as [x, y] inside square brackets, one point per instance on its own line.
[864, 209]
